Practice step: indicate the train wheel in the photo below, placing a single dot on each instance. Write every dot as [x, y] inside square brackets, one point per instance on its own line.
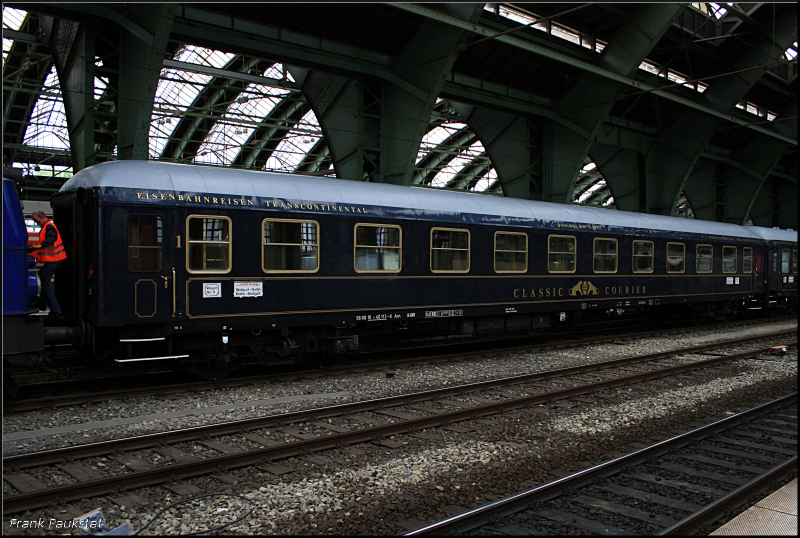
[730, 313]
[214, 365]
[697, 316]
[10, 386]
[324, 360]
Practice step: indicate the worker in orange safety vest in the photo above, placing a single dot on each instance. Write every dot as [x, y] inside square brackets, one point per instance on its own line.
[50, 251]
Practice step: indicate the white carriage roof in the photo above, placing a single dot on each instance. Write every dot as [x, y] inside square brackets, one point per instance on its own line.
[161, 176]
[774, 234]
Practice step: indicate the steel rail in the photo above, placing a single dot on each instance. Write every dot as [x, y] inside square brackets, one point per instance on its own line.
[712, 512]
[22, 461]
[31, 404]
[509, 505]
[105, 486]
[79, 399]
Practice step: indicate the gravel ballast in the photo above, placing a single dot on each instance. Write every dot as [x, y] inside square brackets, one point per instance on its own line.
[376, 490]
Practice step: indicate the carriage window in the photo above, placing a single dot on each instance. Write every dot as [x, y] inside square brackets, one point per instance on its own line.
[704, 258]
[729, 259]
[785, 260]
[794, 262]
[561, 254]
[289, 246]
[643, 257]
[208, 244]
[378, 248]
[510, 252]
[449, 250]
[145, 237]
[747, 260]
[605, 255]
[676, 256]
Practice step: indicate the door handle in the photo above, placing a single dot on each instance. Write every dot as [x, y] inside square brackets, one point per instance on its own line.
[166, 281]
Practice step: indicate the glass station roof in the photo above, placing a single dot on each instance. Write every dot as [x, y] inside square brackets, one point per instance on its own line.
[450, 155]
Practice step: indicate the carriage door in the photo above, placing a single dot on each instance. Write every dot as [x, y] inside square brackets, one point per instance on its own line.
[148, 263]
[758, 270]
[774, 270]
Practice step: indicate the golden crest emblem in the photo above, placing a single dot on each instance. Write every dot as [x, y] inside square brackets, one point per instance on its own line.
[584, 287]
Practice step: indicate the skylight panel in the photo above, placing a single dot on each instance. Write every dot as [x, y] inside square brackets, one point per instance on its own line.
[435, 137]
[588, 193]
[484, 182]
[564, 33]
[649, 67]
[457, 165]
[718, 10]
[48, 122]
[177, 90]
[791, 52]
[12, 19]
[447, 173]
[232, 131]
[203, 56]
[515, 16]
[520, 17]
[571, 35]
[100, 83]
[218, 148]
[48, 126]
[294, 147]
[675, 77]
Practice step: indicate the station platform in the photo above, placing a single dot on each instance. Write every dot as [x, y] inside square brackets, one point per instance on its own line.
[774, 516]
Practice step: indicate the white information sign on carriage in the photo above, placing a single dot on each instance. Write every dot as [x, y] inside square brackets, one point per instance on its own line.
[248, 289]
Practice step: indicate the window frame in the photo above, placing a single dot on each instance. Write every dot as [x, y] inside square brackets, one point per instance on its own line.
[697, 259]
[399, 248]
[160, 246]
[574, 254]
[683, 257]
[512, 271]
[594, 253]
[735, 258]
[749, 258]
[469, 250]
[289, 271]
[787, 261]
[229, 242]
[794, 261]
[651, 256]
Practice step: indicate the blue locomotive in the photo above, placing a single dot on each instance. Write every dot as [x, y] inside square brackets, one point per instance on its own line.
[24, 336]
[219, 268]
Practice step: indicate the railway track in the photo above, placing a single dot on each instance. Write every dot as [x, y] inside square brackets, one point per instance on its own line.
[177, 455]
[672, 487]
[32, 393]
[65, 393]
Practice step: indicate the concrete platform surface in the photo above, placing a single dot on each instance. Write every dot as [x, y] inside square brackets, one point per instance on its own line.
[774, 516]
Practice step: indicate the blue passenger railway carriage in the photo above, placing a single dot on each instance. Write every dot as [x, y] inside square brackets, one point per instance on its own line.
[223, 267]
